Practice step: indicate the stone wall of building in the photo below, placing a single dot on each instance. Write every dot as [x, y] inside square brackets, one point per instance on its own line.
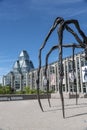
[29, 78]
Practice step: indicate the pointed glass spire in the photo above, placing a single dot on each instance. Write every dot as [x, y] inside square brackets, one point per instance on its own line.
[16, 66]
[23, 64]
[23, 55]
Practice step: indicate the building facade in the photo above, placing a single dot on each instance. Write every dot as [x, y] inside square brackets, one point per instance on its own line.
[28, 75]
[18, 76]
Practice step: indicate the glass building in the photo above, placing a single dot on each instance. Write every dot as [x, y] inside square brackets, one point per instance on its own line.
[17, 77]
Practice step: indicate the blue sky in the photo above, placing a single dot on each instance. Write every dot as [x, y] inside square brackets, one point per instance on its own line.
[25, 23]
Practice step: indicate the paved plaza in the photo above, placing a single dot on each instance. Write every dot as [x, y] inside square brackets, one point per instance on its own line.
[26, 115]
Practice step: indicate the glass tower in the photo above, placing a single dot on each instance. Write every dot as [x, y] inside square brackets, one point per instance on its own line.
[19, 71]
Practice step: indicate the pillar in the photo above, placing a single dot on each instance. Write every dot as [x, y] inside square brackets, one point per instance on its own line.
[67, 64]
[77, 78]
[80, 73]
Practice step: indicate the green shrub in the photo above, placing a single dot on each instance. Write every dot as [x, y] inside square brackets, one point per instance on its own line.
[7, 90]
[1, 90]
[27, 90]
[20, 92]
[33, 91]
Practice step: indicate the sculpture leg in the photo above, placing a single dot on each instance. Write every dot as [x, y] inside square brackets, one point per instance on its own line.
[47, 56]
[76, 96]
[38, 96]
[56, 22]
[74, 83]
[61, 96]
[48, 93]
[75, 22]
[61, 74]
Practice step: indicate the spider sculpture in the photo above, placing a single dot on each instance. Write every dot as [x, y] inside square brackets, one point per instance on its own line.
[82, 43]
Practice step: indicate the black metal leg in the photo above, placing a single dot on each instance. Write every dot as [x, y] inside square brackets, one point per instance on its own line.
[82, 43]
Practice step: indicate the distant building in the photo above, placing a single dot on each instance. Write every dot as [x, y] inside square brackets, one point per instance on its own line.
[24, 74]
[17, 77]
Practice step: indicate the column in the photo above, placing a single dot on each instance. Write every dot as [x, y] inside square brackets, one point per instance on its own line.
[67, 64]
[30, 80]
[35, 79]
[3, 81]
[56, 78]
[80, 69]
[48, 75]
[21, 86]
[77, 81]
[27, 79]
[41, 79]
[12, 81]
[65, 76]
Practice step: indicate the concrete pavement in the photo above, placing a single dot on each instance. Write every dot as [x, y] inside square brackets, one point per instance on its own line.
[26, 115]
